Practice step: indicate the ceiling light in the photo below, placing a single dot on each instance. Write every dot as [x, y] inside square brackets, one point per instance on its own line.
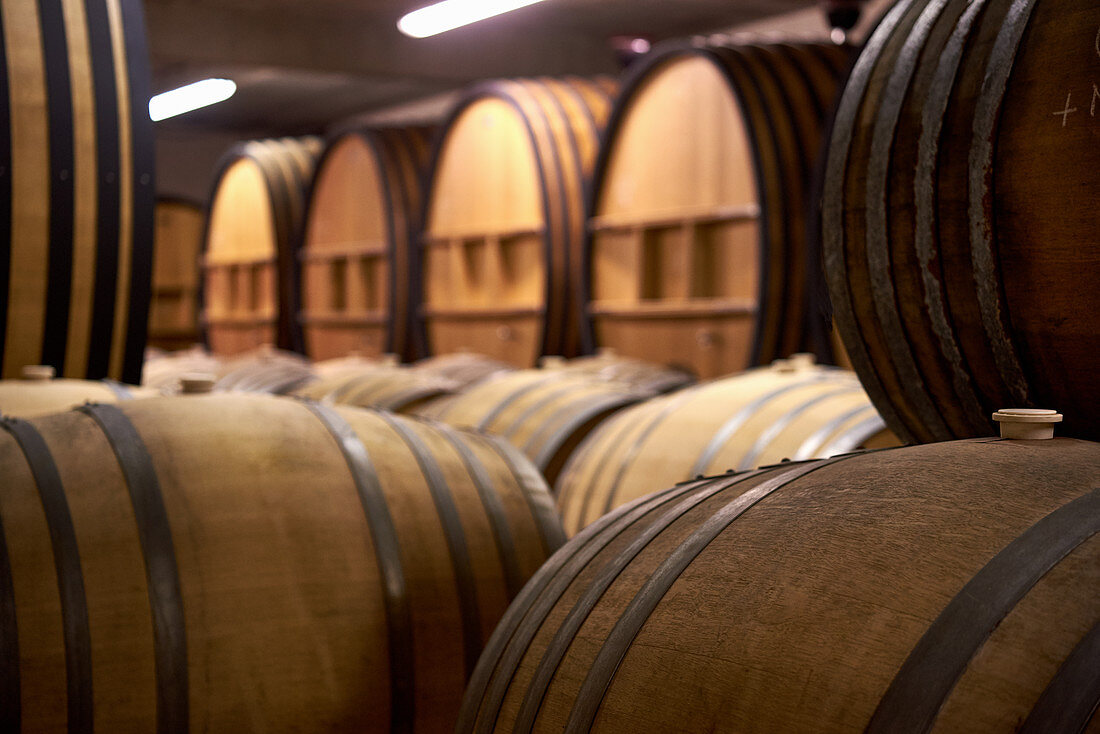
[451, 14]
[190, 97]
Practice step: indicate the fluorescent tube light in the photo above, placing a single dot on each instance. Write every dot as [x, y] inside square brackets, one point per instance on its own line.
[451, 14]
[190, 97]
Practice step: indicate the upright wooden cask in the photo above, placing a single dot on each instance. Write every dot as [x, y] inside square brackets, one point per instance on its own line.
[76, 187]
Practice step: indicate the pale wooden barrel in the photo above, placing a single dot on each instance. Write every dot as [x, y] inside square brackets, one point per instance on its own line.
[361, 212]
[546, 414]
[503, 224]
[37, 393]
[380, 385]
[945, 587]
[76, 182]
[245, 563]
[177, 246]
[266, 370]
[960, 203]
[465, 368]
[249, 265]
[607, 364]
[791, 410]
[699, 206]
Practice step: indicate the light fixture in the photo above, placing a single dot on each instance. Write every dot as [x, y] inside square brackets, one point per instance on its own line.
[451, 14]
[190, 97]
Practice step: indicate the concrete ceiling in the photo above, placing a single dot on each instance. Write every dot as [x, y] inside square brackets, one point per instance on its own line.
[301, 65]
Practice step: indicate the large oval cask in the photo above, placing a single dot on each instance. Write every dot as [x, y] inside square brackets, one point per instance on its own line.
[38, 393]
[177, 245]
[944, 587]
[503, 223]
[791, 410]
[960, 198]
[699, 206]
[76, 188]
[359, 222]
[249, 262]
[248, 563]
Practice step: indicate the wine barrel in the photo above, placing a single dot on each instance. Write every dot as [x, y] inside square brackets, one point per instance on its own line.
[944, 587]
[607, 364]
[699, 205]
[546, 414]
[163, 370]
[360, 215]
[382, 386]
[177, 241]
[76, 182]
[464, 368]
[249, 265]
[265, 370]
[248, 563]
[38, 393]
[792, 410]
[962, 179]
[503, 222]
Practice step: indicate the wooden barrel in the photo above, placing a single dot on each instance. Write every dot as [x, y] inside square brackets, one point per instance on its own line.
[360, 215]
[248, 563]
[38, 393]
[947, 587]
[177, 244]
[163, 370]
[546, 414]
[962, 180]
[790, 410]
[698, 233]
[464, 368]
[382, 386]
[265, 370]
[503, 223]
[76, 186]
[249, 263]
[607, 364]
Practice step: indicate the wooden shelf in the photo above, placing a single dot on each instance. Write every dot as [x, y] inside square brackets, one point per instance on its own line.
[316, 318]
[671, 309]
[480, 313]
[436, 239]
[657, 220]
[344, 251]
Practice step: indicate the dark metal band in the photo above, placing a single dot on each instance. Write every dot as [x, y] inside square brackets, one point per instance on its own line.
[925, 235]
[930, 672]
[59, 104]
[108, 188]
[618, 641]
[512, 636]
[70, 577]
[980, 167]
[461, 565]
[11, 708]
[161, 570]
[534, 490]
[494, 510]
[879, 265]
[387, 551]
[1073, 695]
[833, 229]
[143, 188]
[594, 591]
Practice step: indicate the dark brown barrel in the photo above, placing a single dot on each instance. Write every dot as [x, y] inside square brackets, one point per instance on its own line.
[697, 245]
[961, 192]
[248, 563]
[946, 587]
[503, 224]
[360, 217]
[76, 188]
[177, 245]
[249, 261]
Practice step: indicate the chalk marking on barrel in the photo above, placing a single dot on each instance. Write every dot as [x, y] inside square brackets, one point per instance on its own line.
[1068, 110]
